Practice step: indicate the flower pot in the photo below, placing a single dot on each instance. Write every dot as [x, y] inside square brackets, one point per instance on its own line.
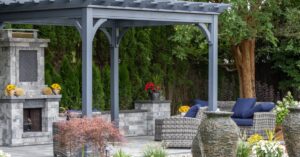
[183, 113]
[11, 93]
[219, 135]
[56, 91]
[155, 96]
[291, 132]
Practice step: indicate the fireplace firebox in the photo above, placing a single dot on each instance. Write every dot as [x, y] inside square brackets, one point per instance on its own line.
[32, 119]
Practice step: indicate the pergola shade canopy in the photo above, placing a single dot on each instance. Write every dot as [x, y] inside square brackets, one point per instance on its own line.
[114, 17]
[129, 13]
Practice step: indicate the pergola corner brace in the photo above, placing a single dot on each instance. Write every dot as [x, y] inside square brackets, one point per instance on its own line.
[206, 32]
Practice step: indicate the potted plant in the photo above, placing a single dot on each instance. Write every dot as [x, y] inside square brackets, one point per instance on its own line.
[183, 109]
[10, 90]
[56, 88]
[153, 91]
[13, 90]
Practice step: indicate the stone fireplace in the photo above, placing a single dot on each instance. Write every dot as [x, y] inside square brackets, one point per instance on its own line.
[27, 119]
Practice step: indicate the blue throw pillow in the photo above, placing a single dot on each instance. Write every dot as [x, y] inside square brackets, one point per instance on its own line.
[242, 105]
[192, 111]
[200, 103]
[265, 107]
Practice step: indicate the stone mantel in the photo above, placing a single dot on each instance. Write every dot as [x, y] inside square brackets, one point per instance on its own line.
[30, 97]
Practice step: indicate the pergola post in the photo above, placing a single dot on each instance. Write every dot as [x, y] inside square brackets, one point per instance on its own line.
[87, 76]
[213, 65]
[114, 73]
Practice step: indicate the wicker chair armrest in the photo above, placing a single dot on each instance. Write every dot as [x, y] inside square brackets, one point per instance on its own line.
[263, 121]
[180, 121]
[264, 115]
[177, 116]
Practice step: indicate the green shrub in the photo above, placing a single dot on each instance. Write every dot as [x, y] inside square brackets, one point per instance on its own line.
[282, 110]
[98, 92]
[121, 153]
[244, 149]
[155, 151]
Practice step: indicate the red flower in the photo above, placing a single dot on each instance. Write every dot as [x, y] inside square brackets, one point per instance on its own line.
[151, 87]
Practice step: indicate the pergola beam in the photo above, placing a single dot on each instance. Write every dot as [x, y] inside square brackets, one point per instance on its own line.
[159, 16]
[107, 24]
[44, 14]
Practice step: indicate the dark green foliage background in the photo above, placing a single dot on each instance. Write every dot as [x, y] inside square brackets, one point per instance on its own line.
[177, 57]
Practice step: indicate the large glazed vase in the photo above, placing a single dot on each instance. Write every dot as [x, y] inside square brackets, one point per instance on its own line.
[291, 132]
[219, 135]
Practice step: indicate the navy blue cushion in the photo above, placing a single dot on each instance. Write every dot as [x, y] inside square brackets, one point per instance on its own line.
[243, 122]
[242, 105]
[200, 103]
[265, 107]
[192, 111]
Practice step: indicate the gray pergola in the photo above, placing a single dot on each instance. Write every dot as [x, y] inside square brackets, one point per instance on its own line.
[114, 17]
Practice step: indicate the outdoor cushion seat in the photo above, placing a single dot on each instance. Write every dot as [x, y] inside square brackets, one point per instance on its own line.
[241, 106]
[197, 103]
[200, 103]
[243, 122]
[265, 107]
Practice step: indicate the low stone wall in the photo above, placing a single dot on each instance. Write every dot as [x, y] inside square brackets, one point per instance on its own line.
[132, 122]
[140, 121]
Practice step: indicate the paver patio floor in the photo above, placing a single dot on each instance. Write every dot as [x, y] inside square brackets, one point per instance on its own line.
[132, 145]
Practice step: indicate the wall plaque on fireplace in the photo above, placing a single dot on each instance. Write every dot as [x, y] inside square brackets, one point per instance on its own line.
[28, 66]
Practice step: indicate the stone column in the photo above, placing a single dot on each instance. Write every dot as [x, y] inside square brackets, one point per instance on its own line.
[11, 120]
[155, 110]
[51, 113]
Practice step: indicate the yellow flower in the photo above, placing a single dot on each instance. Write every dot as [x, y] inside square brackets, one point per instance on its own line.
[254, 139]
[10, 87]
[183, 109]
[56, 86]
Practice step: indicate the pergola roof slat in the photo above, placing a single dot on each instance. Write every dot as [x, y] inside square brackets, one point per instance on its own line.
[137, 4]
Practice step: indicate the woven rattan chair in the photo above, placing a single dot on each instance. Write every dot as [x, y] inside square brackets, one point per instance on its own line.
[176, 131]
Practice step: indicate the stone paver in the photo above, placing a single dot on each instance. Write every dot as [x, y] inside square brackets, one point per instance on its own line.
[133, 146]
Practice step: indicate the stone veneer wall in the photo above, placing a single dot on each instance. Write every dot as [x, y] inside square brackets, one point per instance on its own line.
[140, 121]
[156, 110]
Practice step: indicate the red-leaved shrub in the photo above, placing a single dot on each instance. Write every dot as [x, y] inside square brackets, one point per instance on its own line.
[95, 132]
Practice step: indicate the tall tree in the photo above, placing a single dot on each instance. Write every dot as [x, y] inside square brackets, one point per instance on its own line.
[240, 27]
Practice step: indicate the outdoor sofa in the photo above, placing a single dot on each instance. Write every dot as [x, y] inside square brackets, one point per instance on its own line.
[179, 132]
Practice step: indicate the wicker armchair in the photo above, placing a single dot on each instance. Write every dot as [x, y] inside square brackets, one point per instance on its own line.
[176, 131]
[262, 121]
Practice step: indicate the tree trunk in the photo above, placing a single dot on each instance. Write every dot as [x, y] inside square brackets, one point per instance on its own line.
[244, 55]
